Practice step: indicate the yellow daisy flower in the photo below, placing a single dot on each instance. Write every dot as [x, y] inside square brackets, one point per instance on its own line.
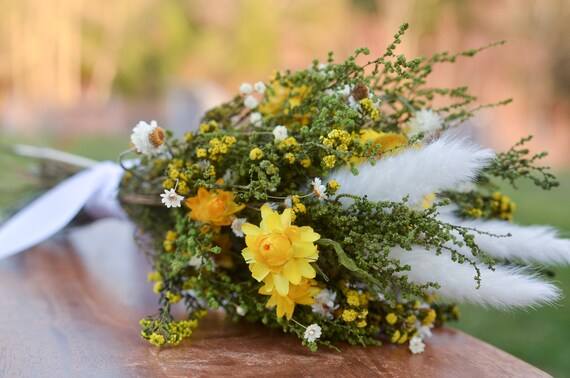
[280, 250]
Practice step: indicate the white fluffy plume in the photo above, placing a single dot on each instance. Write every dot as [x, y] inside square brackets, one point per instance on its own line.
[444, 164]
[501, 288]
[529, 244]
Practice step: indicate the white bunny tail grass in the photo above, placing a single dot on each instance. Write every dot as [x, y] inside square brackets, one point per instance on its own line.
[538, 244]
[504, 287]
[446, 163]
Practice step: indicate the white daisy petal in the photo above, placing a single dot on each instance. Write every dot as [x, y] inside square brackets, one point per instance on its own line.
[417, 345]
[170, 198]
[250, 102]
[312, 333]
[140, 138]
[259, 87]
[280, 133]
[245, 88]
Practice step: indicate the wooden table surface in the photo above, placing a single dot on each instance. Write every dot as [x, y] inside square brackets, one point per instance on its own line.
[69, 310]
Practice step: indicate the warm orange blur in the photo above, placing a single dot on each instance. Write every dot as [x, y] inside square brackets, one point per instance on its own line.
[79, 66]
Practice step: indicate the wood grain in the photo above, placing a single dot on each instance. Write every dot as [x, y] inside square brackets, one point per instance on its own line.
[68, 313]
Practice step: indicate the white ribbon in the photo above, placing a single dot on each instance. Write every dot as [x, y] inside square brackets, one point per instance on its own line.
[94, 189]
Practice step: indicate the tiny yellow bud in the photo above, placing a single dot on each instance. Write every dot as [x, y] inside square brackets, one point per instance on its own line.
[157, 287]
[333, 186]
[299, 208]
[289, 157]
[329, 161]
[168, 184]
[391, 318]
[255, 154]
[349, 315]
[395, 336]
[352, 298]
[201, 153]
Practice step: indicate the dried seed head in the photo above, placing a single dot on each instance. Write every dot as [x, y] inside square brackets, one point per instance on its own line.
[360, 92]
[157, 137]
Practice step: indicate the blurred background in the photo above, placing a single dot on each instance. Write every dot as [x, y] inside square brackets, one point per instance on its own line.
[77, 75]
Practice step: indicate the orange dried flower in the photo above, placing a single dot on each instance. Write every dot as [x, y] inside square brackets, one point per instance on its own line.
[216, 207]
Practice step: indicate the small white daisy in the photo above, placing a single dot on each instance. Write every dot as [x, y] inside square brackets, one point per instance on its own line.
[255, 118]
[259, 87]
[417, 345]
[312, 333]
[246, 88]
[250, 102]
[324, 303]
[170, 198]
[140, 138]
[425, 120]
[319, 189]
[280, 132]
[237, 225]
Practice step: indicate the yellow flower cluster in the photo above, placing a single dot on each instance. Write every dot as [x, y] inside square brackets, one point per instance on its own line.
[338, 139]
[220, 147]
[154, 276]
[369, 109]
[333, 186]
[430, 318]
[169, 240]
[201, 153]
[157, 339]
[173, 297]
[280, 255]
[179, 174]
[209, 127]
[289, 157]
[402, 322]
[173, 334]
[329, 161]
[255, 154]
[158, 286]
[289, 143]
[305, 163]
[502, 206]
[298, 206]
[497, 206]
[357, 307]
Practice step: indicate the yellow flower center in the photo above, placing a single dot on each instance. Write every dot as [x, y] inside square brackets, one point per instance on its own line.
[275, 249]
[216, 208]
